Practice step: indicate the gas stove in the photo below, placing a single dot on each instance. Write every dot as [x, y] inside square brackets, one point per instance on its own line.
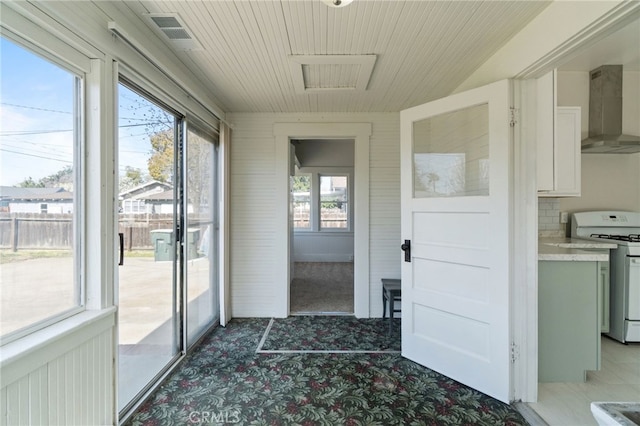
[623, 229]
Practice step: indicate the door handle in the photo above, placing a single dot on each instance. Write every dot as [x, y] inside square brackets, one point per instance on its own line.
[121, 236]
[406, 248]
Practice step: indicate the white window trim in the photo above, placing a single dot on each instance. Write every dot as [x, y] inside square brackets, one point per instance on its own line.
[315, 220]
[94, 252]
[332, 173]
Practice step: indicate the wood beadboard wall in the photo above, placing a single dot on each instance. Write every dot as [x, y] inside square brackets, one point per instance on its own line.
[65, 382]
[253, 164]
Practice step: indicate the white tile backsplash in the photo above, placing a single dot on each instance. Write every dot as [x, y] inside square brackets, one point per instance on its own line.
[549, 216]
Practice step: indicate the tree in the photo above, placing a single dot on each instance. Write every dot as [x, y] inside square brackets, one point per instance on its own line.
[161, 160]
[60, 179]
[30, 183]
[133, 177]
[301, 183]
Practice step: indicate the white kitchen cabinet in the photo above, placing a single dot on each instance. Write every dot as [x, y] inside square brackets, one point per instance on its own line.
[558, 139]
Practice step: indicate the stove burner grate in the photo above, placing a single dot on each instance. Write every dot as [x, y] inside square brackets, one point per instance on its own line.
[631, 238]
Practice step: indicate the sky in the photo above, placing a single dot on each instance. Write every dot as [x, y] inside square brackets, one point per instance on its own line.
[36, 118]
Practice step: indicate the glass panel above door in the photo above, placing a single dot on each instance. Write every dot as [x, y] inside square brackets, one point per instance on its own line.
[451, 154]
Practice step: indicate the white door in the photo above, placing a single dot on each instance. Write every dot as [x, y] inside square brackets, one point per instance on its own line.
[456, 196]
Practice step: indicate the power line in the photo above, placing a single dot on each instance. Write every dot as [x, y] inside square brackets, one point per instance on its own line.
[36, 108]
[38, 156]
[32, 132]
[44, 132]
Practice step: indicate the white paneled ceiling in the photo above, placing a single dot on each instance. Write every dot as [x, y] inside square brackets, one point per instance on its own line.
[424, 49]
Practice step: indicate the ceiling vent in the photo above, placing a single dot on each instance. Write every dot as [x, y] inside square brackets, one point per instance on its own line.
[322, 73]
[173, 29]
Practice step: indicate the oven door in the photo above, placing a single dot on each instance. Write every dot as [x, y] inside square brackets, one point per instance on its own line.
[633, 281]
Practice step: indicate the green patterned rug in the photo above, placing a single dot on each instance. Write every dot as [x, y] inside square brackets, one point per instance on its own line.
[330, 334]
[224, 381]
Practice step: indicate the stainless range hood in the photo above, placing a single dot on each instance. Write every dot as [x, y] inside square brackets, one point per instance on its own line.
[605, 114]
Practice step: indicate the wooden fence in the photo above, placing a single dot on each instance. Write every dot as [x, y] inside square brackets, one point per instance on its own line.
[35, 231]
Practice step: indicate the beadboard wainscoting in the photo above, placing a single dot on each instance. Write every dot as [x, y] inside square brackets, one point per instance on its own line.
[62, 375]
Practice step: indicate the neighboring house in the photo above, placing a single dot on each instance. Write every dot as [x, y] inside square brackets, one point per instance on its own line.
[134, 200]
[158, 203]
[35, 200]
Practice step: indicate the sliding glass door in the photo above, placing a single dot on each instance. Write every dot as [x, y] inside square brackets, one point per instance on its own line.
[168, 228]
[202, 232]
[149, 314]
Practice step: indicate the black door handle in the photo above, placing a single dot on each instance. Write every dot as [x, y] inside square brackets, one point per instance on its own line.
[121, 236]
[406, 248]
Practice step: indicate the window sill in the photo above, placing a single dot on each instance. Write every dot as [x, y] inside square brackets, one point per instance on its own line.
[324, 232]
[30, 352]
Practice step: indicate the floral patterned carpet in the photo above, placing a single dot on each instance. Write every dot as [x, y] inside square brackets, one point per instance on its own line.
[225, 381]
[331, 333]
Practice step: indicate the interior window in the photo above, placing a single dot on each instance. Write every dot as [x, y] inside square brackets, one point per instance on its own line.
[301, 193]
[334, 202]
[39, 176]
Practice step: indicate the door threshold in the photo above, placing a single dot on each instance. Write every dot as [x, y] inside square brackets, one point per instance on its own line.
[327, 313]
[529, 414]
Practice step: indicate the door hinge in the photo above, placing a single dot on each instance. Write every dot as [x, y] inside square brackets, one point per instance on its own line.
[514, 115]
[515, 352]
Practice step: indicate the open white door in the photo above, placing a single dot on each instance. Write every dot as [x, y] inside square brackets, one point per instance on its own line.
[456, 200]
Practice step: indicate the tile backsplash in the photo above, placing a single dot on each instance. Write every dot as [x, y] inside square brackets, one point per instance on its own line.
[549, 217]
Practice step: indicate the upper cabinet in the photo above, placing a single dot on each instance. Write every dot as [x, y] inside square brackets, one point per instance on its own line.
[558, 138]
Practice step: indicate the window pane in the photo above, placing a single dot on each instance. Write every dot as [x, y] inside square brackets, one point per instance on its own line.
[334, 202]
[451, 154]
[301, 192]
[148, 306]
[202, 239]
[38, 143]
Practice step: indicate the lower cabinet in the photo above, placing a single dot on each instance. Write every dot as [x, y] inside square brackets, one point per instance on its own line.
[604, 291]
[569, 320]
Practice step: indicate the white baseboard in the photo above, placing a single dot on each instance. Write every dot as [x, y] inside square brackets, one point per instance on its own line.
[323, 257]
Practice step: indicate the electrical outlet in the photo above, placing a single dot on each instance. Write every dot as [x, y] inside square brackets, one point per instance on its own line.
[564, 217]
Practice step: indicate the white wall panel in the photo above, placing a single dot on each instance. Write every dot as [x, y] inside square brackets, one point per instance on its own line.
[323, 247]
[253, 164]
[74, 386]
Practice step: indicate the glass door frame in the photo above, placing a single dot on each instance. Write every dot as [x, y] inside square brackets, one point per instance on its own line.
[177, 273]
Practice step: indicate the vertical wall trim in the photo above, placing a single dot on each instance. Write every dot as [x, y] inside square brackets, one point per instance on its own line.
[224, 201]
[361, 133]
[524, 306]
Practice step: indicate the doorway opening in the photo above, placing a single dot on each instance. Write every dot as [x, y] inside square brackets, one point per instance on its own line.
[322, 223]
[360, 134]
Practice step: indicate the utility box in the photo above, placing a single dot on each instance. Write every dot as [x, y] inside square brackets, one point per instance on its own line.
[193, 236]
[162, 242]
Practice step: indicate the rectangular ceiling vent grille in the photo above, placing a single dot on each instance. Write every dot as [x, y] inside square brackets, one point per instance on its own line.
[321, 73]
[173, 29]
[344, 76]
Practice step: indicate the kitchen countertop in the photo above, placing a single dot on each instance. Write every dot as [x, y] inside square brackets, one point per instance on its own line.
[573, 250]
[577, 243]
[616, 413]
